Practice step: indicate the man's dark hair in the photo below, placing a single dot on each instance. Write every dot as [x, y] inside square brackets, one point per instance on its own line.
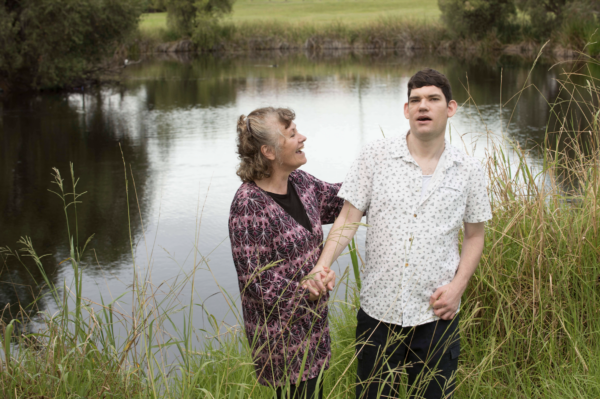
[430, 77]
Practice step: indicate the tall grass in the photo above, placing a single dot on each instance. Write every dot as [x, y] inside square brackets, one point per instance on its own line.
[530, 322]
[384, 32]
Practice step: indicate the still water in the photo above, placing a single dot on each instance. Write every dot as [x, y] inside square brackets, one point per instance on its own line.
[173, 123]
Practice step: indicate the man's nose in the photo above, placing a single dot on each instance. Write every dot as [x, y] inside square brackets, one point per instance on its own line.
[423, 104]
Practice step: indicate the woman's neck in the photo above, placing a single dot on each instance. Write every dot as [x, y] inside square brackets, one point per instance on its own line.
[277, 183]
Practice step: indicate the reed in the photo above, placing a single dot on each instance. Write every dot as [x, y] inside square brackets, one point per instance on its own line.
[529, 320]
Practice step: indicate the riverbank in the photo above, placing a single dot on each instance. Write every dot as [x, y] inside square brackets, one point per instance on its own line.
[402, 29]
[529, 319]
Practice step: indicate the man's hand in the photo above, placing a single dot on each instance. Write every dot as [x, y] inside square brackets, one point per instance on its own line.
[319, 280]
[329, 280]
[445, 301]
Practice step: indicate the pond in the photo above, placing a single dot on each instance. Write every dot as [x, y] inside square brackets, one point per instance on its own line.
[168, 127]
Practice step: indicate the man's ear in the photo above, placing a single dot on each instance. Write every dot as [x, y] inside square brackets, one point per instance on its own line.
[268, 152]
[406, 114]
[452, 107]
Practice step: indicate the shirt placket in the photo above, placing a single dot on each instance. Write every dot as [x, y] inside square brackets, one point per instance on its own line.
[409, 274]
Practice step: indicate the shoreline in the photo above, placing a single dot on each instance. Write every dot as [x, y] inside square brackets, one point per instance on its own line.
[315, 45]
[185, 48]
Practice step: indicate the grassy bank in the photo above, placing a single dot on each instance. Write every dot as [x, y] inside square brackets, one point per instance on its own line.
[324, 12]
[530, 325]
[402, 25]
[283, 25]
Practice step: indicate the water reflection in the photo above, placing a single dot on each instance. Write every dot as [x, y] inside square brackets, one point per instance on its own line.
[175, 120]
[45, 131]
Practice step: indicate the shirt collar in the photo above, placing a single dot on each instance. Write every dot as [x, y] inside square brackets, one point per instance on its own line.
[399, 149]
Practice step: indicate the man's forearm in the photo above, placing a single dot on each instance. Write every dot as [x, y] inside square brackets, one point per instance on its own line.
[341, 233]
[472, 249]
[445, 299]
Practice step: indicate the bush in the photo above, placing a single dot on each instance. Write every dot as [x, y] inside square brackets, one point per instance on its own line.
[155, 6]
[55, 43]
[476, 18]
[544, 16]
[196, 17]
[581, 26]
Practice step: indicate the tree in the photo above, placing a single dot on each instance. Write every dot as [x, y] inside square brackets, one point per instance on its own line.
[544, 15]
[155, 6]
[55, 43]
[188, 16]
[547, 16]
[475, 18]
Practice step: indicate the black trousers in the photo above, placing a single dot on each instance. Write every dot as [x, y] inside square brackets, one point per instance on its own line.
[304, 390]
[428, 353]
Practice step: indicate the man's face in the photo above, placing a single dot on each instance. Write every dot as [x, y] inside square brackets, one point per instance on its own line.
[427, 112]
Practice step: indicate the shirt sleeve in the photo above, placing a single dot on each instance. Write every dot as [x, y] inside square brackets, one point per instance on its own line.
[478, 207]
[357, 187]
[252, 236]
[330, 204]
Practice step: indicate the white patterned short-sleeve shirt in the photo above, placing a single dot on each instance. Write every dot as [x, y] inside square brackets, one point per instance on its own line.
[412, 241]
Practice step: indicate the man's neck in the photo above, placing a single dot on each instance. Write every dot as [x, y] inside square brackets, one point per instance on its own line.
[276, 183]
[426, 153]
[427, 150]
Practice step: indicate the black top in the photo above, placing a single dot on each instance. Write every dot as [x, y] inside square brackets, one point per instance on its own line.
[291, 203]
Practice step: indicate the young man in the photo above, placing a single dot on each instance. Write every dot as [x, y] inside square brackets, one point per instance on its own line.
[418, 190]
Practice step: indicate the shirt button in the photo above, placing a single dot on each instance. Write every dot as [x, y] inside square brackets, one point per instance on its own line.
[415, 215]
[406, 264]
[410, 239]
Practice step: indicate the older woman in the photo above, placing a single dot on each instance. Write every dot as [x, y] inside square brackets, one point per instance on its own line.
[276, 237]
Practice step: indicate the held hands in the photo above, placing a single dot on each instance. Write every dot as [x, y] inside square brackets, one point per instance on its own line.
[445, 301]
[319, 281]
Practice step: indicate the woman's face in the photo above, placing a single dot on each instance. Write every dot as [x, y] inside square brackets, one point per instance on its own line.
[291, 156]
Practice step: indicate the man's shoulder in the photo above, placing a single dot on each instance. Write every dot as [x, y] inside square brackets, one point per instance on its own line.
[381, 146]
[468, 162]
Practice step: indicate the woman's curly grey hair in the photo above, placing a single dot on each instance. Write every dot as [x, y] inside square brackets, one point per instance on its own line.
[254, 131]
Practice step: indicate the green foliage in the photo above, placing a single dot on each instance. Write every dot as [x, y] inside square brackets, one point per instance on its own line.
[475, 18]
[544, 16]
[190, 16]
[155, 6]
[53, 43]
[571, 21]
[581, 26]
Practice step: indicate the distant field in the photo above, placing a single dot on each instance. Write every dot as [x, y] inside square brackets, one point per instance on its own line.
[355, 11]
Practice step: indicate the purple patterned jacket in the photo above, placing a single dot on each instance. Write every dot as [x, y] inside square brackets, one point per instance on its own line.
[272, 253]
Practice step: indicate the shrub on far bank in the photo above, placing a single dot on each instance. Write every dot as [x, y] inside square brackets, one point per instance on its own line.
[547, 17]
[581, 26]
[155, 6]
[55, 43]
[188, 16]
[476, 18]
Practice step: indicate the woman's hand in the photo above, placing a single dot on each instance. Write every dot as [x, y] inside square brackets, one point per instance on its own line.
[318, 281]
